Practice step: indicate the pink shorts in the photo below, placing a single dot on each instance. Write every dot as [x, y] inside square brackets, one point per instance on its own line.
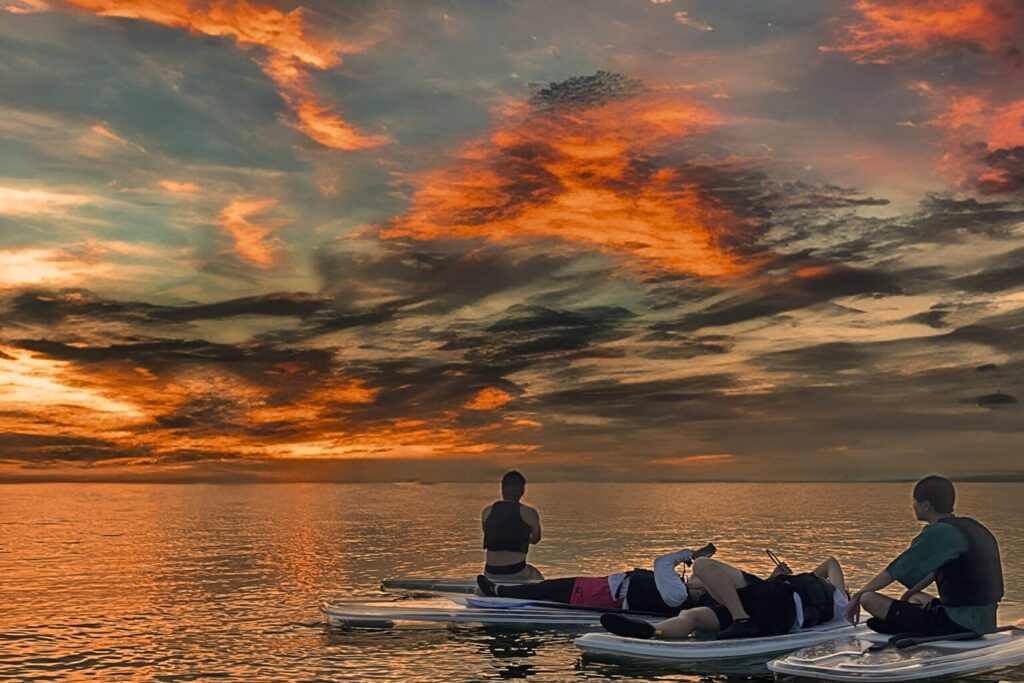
[594, 592]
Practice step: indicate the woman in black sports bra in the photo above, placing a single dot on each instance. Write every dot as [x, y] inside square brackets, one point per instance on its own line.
[510, 528]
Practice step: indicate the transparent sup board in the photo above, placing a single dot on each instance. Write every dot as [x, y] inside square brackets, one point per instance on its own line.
[427, 585]
[848, 659]
[461, 610]
[695, 650]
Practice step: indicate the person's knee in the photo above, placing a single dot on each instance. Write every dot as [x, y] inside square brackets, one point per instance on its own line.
[920, 599]
[702, 564]
[875, 603]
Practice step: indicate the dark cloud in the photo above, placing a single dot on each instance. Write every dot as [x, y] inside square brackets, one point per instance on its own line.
[528, 335]
[821, 359]
[72, 307]
[823, 284]
[639, 403]
[1008, 340]
[944, 219]
[585, 91]
[996, 399]
[672, 346]
[434, 278]
[1002, 272]
[934, 317]
[36, 448]
[1006, 171]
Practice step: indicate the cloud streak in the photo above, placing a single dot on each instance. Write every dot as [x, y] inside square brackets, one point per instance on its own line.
[894, 30]
[290, 52]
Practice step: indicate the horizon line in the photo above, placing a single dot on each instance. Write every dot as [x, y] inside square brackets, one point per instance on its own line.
[972, 479]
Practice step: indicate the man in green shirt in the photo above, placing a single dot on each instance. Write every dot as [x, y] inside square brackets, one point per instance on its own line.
[958, 554]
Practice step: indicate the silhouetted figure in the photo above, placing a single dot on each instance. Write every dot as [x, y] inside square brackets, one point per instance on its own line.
[510, 528]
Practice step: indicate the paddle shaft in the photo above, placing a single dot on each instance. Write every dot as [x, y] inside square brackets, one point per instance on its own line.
[908, 641]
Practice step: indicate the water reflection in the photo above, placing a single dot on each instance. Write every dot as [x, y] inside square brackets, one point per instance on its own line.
[171, 582]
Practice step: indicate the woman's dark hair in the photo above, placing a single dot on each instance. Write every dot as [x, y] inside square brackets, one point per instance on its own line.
[936, 490]
[513, 483]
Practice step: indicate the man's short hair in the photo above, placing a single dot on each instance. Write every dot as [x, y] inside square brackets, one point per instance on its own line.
[513, 481]
[936, 490]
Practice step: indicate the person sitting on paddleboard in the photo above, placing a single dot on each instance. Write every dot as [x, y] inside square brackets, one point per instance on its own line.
[958, 554]
[510, 528]
[747, 605]
[661, 591]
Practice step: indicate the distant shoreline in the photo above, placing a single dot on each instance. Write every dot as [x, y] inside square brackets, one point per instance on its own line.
[981, 479]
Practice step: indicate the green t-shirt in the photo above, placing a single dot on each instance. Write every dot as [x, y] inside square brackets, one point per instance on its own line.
[936, 545]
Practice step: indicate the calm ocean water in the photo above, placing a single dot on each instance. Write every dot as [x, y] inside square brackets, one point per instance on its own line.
[194, 582]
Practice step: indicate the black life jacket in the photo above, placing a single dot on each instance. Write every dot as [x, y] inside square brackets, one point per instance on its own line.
[642, 593]
[816, 595]
[505, 529]
[976, 577]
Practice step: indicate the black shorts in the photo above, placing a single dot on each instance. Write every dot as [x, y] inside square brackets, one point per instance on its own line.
[908, 617]
[769, 603]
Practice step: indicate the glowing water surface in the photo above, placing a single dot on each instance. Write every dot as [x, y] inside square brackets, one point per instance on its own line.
[189, 582]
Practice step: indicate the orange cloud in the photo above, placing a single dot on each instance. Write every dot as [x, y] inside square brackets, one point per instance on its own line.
[132, 412]
[103, 130]
[289, 53]
[174, 186]
[249, 237]
[812, 272]
[19, 267]
[893, 30]
[38, 201]
[28, 379]
[25, 6]
[982, 135]
[489, 399]
[586, 175]
[685, 460]
[999, 126]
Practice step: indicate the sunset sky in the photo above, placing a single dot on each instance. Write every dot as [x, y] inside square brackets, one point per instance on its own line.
[601, 239]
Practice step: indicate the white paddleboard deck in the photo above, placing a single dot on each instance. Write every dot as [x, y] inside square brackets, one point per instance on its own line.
[457, 610]
[415, 585]
[694, 650]
[847, 659]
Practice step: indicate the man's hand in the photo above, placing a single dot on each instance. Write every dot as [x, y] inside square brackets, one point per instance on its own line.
[780, 569]
[853, 609]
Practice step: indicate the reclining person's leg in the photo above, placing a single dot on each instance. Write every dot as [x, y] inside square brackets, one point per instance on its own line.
[555, 590]
[688, 621]
[722, 581]
[831, 570]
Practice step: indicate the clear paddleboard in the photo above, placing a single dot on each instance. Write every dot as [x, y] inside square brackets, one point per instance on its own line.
[456, 610]
[427, 585]
[851, 659]
[694, 650]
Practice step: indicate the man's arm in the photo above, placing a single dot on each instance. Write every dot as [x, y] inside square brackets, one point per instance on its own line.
[532, 517]
[919, 586]
[881, 580]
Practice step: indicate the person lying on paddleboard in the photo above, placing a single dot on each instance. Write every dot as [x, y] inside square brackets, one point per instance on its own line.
[958, 554]
[510, 528]
[661, 591]
[747, 605]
